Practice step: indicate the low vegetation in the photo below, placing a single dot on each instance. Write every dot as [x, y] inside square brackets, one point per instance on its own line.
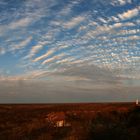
[77, 122]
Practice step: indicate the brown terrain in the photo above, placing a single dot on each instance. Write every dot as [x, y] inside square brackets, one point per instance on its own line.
[79, 121]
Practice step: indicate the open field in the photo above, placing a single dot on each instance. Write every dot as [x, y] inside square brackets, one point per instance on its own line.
[80, 121]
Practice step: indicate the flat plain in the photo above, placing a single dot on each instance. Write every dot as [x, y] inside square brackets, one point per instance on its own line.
[70, 121]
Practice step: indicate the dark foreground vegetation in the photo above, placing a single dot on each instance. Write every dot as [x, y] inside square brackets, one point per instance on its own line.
[116, 121]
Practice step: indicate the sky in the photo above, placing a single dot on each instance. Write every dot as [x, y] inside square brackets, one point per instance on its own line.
[69, 51]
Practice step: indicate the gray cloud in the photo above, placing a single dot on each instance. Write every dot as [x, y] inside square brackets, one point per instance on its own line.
[89, 72]
[52, 92]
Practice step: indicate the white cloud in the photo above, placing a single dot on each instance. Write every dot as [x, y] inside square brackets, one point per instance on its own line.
[20, 23]
[66, 60]
[100, 29]
[22, 44]
[2, 51]
[44, 55]
[120, 2]
[123, 2]
[35, 49]
[83, 46]
[68, 8]
[138, 21]
[114, 19]
[74, 21]
[93, 23]
[134, 37]
[102, 20]
[120, 24]
[129, 14]
[56, 57]
[128, 32]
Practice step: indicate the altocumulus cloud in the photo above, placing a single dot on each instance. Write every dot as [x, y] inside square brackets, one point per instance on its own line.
[82, 50]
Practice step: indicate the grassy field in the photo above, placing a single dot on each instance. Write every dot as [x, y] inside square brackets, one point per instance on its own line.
[79, 121]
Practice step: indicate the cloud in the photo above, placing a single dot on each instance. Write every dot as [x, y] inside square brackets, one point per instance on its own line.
[120, 24]
[98, 39]
[17, 24]
[2, 51]
[103, 20]
[56, 57]
[66, 10]
[91, 72]
[49, 52]
[113, 18]
[121, 2]
[34, 50]
[65, 61]
[129, 14]
[74, 22]
[106, 28]
[134, 37]
[22, 44]
[138, 21]
[20, 23]
[29, 91]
